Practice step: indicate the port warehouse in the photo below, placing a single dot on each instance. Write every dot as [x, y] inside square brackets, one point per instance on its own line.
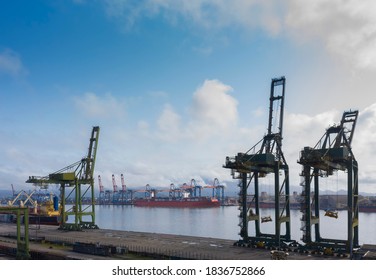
[331, 154]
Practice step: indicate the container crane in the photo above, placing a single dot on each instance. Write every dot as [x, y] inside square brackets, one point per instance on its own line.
[332, 153]
[265, 157]
[127, 194]
[197, 188]
[123, 185]
[79, 179]
[114, 185]
[101, 190]
[175, 192]
[218, 190]
[116, 195]
[123, 190]
[101, 187]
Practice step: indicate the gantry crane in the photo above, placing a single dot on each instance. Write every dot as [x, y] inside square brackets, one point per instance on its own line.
[331, 154]
[101, 191]
[266, 157]
[115, 192]
[79, 179]
[196, 188]
[218, 190]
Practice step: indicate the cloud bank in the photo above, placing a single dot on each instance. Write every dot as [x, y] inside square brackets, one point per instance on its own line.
[346, 29]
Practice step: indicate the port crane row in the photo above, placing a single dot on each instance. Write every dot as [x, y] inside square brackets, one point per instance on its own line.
[333, 153]
[125, 196]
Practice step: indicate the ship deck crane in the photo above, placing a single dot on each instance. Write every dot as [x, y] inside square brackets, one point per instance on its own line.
[332, 153]
[265, 157]
[79, 179]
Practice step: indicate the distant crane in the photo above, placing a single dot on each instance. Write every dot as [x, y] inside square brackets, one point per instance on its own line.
[217, 190]
[13, 192]
[115, 195]
[123, 186]
[114, 185]
[79, 177]
[197, 188]
[101, 190]
[127, 194]
[123, 192]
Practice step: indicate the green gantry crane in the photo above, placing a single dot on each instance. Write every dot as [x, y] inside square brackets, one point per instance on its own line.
[22, 217]
[266, 157]
[332, 153]
[76, 182]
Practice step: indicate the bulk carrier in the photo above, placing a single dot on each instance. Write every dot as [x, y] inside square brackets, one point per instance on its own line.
[185, 202]
[41, 211]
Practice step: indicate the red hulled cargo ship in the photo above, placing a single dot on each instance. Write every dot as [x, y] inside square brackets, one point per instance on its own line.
[187, 202]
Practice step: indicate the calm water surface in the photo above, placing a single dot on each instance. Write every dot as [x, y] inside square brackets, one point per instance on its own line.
[220, 222]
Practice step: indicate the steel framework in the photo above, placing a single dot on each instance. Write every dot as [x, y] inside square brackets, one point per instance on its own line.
[23, 252]
[78, 178]
[266, 157]
[331, 154]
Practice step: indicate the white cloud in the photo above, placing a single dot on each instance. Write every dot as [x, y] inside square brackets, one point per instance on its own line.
[210, 14]
[10, 63]
[213, 108]
[100, 106]
[346, 28]
[169, 124]
[180, 144]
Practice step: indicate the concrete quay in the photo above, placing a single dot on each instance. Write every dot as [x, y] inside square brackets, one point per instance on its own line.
[49, 242]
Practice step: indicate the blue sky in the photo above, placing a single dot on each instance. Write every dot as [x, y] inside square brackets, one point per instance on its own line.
[176, 86]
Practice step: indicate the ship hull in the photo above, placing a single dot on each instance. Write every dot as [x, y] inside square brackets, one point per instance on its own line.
[44, 220]
[367, 209]
[178, 203]
[33, 219]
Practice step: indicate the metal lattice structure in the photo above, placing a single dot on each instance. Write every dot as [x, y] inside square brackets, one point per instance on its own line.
[22, 217]
[76, 182]
[331, 154]
[263, 159]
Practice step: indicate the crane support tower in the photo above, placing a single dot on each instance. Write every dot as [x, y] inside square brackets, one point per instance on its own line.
[331, 154]
[264, 158]
[76, 183]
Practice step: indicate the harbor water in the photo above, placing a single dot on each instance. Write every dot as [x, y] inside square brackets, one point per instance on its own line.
[221, 222]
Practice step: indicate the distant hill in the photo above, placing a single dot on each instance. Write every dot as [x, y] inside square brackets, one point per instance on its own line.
[232, 189]
[5, 193]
